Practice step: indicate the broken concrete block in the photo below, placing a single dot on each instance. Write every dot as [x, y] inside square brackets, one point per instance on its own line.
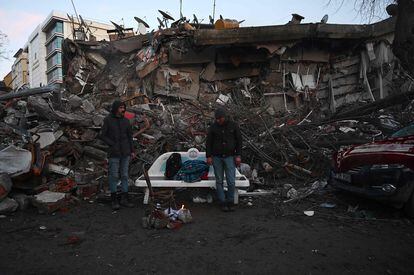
[87, 106]
[48, 202]
[182, 83]
[87, 191]
[15, 161]
[43, 109]
[8, 205]
[47, 138]
[49, 197]
[209, 72]
[97, 59]
[75, 101]
[223, 99]
[94, 153]
[23, 200]
[143, 69]
[98, 120]
[89, 135]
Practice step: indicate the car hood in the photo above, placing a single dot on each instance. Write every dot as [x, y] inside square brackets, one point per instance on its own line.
[390, 151]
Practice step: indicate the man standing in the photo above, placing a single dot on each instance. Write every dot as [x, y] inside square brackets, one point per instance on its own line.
[117, 134]
[223, 151]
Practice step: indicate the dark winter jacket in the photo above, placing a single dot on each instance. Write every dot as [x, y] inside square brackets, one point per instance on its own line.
[224, 141]
[117, 134]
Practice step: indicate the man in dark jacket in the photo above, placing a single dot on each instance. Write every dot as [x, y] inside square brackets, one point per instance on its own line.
[223, 151]
[117, 134]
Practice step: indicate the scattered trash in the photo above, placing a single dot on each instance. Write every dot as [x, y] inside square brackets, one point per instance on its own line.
[167, 218]
[327, 205]
[309, 213]
[184, 215]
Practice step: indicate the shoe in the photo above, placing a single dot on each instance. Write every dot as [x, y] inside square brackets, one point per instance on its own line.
[230, 206]
[125, 201]
[224, 207]
[114, 202]
[199, 200]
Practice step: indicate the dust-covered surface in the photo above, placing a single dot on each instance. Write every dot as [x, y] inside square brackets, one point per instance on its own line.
[267, 238]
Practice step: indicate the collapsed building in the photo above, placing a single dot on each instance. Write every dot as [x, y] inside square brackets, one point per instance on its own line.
[293, 88]
[334, 64]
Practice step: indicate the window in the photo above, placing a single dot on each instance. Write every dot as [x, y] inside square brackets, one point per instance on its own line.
[57, 28]
[54, 75]
[55, 59]
[56, 43]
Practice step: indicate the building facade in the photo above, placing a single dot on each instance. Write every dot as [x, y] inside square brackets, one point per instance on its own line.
[45, 45]
[37, 58]
[8, 80]
[20, 69]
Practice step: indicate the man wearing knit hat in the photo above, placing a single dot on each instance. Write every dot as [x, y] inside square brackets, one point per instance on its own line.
[117, 134]
[223, 151]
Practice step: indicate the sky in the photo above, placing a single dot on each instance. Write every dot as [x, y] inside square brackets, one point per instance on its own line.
[18, 18]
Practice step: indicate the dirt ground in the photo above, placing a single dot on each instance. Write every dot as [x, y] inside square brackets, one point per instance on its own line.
[265, 238]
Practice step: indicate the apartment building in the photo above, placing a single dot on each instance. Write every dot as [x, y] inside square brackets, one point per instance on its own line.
[20, 69]
[44, 47]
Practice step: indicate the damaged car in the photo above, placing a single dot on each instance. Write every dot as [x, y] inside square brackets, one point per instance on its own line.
[382, 170]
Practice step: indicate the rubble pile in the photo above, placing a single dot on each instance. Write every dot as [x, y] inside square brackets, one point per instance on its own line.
[299, 92]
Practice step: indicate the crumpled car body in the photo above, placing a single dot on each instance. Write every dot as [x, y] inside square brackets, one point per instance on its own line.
[382, 170]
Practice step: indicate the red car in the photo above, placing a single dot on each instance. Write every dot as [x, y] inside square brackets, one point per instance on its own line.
[382, 170]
